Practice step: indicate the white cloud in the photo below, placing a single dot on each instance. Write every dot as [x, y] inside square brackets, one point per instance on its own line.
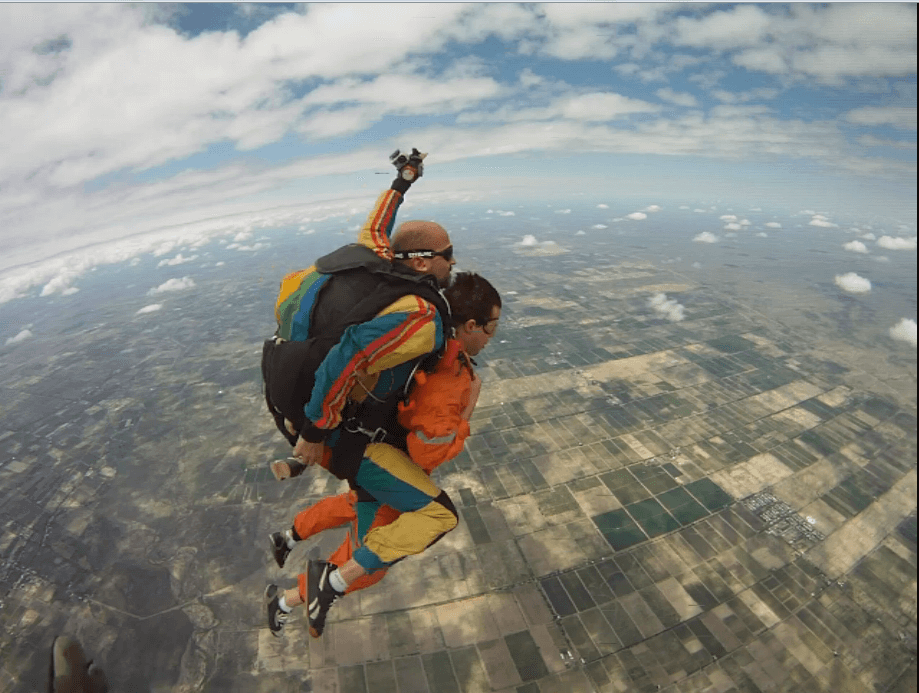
[152, 308]
[822, 222]
[506, 214]
[637, 216]
[581, 233]
[764, 94]
[173, 285]
[652, 208]
[148, 109]
[599, 226]
[744, 25]
[853, 283]
[706, 237]
[763, 234]
[872, 141]
[773, 225]
[529, 241]
[602, 206]
[667, 307]
[828, 43]
[563, 211]
[905, 331]
[732, 227]
[902, 117]
[61, 282]
[855, 247]
[21, 337]
[728, 217]
[896, 243]
[678, 98]
[697, 265]
[177, 260]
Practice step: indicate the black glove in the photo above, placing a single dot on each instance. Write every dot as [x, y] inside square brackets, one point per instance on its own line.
[409, 166]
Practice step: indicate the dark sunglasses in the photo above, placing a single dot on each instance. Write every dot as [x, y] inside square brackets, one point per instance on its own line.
[446, 254]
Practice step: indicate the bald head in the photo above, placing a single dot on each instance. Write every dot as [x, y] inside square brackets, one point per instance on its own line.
[420, 235]
[425, 235]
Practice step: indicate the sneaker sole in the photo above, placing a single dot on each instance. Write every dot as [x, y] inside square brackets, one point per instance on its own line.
[270, 592]
[274, 552]
[314, 632]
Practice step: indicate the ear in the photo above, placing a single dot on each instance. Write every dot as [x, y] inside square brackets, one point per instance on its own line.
[420, 264]
[469, 325]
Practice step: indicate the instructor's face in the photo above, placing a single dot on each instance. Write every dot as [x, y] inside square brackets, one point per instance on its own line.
[441, 268]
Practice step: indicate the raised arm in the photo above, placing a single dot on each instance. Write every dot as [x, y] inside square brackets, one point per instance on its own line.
[377, 230]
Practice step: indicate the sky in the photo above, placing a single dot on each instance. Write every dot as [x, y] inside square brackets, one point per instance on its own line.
[129, 128]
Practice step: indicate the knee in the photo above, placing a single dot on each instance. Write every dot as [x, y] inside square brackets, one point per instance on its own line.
[451, 518]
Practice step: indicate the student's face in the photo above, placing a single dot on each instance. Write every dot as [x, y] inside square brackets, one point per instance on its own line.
[475, 337]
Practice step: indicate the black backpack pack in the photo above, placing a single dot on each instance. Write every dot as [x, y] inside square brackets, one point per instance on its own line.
[360, 287]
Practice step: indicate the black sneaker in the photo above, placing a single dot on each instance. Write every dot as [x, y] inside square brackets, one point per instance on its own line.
[276, 616]
[279, 548]
[320, 595]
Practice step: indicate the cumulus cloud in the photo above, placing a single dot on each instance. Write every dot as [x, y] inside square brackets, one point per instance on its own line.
[506, 214]
[773, 225]
[706, 237]
[853, 283]
[599, 226]
[27, 334]
[905, 331]
[637, 216]
[652, 208]
[678, 98]
[173, 285]
[897, 116]
[728, 217]
[152, 308]
[667, 307]
[869, 236]
[763, 234]
[177, 260]
[535, 247]
[822, 222]
[897, 243]
[602, 206]
[563, 211]
[581, 233]
[732, 227]
[855, 247]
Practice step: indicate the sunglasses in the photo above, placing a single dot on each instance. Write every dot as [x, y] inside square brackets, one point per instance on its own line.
[490, 326]
[446, 254]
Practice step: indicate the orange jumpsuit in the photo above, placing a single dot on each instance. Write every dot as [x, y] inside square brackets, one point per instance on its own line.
[437, 433]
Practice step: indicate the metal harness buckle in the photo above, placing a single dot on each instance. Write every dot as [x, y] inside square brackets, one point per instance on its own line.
[377, 436]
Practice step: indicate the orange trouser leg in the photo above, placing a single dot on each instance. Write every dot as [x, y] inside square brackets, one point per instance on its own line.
[384, 516]
[328, 513]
